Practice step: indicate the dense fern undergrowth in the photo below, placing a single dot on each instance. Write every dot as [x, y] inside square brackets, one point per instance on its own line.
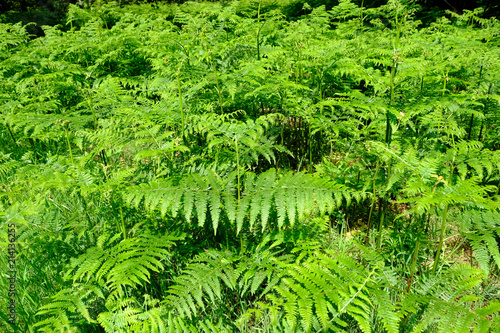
[215, 167]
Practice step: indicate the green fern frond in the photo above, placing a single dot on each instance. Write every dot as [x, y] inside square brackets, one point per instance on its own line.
[212, 275]
[127, 263]
[64, 302]
[290, 194]
[325, 288]
[482, 230]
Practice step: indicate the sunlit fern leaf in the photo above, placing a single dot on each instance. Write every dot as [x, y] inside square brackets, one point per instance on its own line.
[324, 287]
[260, 195]
[126, 263]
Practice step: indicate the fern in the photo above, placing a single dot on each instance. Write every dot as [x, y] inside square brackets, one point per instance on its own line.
[446, 299]
[257, 128]
[207, 284]
[482, 230]
[326, 289]
[318, 293]
[108, 271]
[290, 194]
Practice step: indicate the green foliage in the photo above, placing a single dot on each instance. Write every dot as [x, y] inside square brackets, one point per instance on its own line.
[208, 284]
[291, 195]
[481, 228]
[325, 288]
[251, 166]
[109, 273]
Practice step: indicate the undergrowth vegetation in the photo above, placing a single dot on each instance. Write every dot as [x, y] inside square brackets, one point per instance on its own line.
[218, 167]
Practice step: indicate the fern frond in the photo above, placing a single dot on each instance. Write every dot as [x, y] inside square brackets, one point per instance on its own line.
[126, 263]
[482, 229]
[290, 194]
[324, 289]
[212, 275]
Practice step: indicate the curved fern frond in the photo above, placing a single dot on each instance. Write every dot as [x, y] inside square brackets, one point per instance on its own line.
[106, 271]
[127, 263]
[318, 294]
[291, 194]
[213, 275]
[482, 230]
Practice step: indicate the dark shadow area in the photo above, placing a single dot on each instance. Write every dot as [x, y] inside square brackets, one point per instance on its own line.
[53, 12]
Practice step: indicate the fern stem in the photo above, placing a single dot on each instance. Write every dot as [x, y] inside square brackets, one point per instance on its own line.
[35, 151]
[185, 52]
[426, 228]
[310, 150]
[482, 121]
[258, 30]
[94, 118]
[413, 264]
[388, 128]
[382, 207]
[300, 68]
[352, 298]
[443, 228]
[69, 145]
[238, 167]
[123, 224]
[414, 259]
[444, 83]
[218, 88]
[180, 102]
[361, 16]
[471, 123]
[103, 155]
[11, 134]
[373, 202]
[441, 239]
[480, 131]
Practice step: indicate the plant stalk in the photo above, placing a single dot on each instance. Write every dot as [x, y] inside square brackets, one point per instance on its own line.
[444, 84]
[413, 264]
[180, 102]
[94, 118]
[11, 134]
[443, 228]
[218, 89]
[310, 150]
[383, 208]
[373, 202]
[258, 31]
[124, 230]
[69, 145]
[388, 128]
[238, 167]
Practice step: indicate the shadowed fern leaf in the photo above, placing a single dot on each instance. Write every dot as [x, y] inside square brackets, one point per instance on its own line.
[108, 271]
[482, 229]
